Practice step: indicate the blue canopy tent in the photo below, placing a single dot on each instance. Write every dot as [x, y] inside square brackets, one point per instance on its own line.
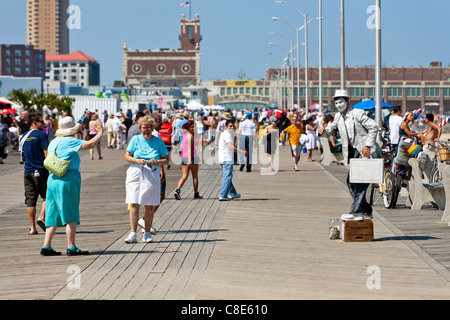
[370, 104]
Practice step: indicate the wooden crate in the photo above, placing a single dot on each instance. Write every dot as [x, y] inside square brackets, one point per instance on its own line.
[357, 231]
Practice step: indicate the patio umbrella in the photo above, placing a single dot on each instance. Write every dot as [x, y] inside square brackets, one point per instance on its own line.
[370, 104]
[4, 105]
[9, 110]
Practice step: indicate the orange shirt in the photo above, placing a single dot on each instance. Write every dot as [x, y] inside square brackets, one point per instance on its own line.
[294, 134]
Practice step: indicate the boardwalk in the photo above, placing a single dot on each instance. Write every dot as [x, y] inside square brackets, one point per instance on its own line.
[270, 244]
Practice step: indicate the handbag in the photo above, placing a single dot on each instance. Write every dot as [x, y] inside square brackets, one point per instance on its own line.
[56, 165]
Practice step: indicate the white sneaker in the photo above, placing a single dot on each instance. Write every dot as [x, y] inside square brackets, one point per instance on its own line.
[147, 237]
[132, 238]
[141, 223]
[352, 216]
[368, 216]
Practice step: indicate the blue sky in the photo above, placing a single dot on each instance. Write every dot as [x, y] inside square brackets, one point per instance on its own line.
[235, 32]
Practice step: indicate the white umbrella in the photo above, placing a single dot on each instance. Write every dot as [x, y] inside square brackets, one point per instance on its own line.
[194, 105]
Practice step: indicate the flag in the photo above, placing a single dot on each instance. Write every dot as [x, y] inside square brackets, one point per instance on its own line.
[185, 4]
[416, 113]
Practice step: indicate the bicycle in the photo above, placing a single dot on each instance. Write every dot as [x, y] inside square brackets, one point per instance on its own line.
[385, 189]
[441, 154]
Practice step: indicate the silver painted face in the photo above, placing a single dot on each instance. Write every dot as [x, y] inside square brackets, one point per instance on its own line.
[340, 104]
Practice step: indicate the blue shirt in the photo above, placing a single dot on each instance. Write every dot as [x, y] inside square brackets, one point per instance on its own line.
[147, 149]
[67, 149]
[33, 150]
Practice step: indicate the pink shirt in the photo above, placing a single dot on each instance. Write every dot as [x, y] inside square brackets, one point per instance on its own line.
[184, 151]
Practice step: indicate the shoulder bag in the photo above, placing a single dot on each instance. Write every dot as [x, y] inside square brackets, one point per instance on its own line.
[56, 165]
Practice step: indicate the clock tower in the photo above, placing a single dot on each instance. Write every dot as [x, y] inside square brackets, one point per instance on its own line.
[190, 33]
[166, 67]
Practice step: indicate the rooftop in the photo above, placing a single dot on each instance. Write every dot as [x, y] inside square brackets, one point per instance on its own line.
[74, 56]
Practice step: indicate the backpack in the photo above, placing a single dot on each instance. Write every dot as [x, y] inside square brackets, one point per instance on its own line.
[165, 133]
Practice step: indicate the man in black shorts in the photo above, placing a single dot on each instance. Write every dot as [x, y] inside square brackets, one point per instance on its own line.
[34, 144]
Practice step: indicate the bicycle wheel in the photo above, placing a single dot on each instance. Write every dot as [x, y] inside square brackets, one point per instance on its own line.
[398, 180]
[388, 192]
[374, 193]
[436, 176]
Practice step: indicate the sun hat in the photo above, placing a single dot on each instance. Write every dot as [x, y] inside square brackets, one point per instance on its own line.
[67, 127]
[226, 116]
[340, 94]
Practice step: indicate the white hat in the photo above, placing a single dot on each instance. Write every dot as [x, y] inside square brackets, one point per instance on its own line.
[67, 127]
[340, 94]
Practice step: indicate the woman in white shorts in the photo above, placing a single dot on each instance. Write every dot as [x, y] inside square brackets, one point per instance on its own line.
[145, 152]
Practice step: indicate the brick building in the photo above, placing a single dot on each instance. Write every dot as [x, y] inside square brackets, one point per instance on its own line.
[21, 61]
[166, 67]
[410, 87]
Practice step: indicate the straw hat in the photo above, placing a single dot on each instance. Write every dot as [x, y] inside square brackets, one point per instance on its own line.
[226, 116]
[67, 127]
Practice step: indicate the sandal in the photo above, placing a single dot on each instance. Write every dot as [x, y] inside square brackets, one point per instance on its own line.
[32, 233]
[41, 224]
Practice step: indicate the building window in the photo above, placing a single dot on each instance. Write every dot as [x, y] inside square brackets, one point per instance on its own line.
[17, 62]
[17, 70]
[302, 92]
[357, 92]
[228, 91]
[395, 92]
[446, 92]
[18, 53]
[267, 92]
[432, 92]
[413, 92]
[222, 91]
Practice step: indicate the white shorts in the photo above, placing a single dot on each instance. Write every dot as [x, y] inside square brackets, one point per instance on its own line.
[296, 150]
[143, 185]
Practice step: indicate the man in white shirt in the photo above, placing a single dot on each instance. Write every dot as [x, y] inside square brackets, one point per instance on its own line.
[226, 160]
[246, 137]
[394, 126]
[221, 125]
[116, 129]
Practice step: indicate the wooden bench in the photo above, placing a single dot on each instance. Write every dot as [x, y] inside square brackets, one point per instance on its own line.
[422, 191]
[328, 156]
[445, 169]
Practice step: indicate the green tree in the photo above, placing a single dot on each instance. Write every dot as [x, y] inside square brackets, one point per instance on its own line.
[23, 98]
[63, 104]
[40, 101]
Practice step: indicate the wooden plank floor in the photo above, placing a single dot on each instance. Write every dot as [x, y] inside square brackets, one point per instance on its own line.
[270, 244]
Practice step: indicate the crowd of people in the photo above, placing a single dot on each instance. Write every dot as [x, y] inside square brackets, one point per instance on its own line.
[153, 140]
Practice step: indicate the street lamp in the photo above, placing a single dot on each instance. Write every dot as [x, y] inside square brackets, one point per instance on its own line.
[306, 53]
[286, 60]
[292, 63]
[378, 88]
